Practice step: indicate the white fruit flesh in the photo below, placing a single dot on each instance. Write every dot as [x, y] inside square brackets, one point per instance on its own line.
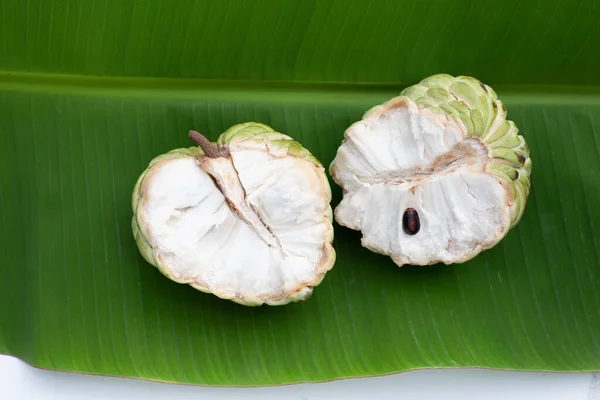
[266, 245]
[408, 157]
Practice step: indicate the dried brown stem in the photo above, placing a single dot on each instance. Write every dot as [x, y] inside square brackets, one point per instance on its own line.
[209, 148]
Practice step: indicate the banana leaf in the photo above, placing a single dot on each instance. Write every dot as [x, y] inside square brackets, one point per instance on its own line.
[92, 90]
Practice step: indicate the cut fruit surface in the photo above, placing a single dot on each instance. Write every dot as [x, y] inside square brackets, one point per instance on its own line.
[251, 223]
[444, 150]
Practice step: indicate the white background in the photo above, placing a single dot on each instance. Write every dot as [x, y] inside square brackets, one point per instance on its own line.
[19, 381]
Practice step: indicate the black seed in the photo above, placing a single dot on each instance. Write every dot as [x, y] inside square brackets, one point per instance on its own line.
[521, 158]
[483, 86]
[410, 221]
[516, 174]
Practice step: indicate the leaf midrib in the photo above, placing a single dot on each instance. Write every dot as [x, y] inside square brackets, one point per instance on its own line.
[312, 92]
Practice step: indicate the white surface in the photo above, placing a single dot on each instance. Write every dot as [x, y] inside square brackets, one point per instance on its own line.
[402, 156]
[19, 381]
[273, 248]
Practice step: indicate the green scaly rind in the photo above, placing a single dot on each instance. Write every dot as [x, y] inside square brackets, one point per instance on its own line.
[483, 116]
[260, 134]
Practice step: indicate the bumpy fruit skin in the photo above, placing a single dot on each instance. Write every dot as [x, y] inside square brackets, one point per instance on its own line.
[474, 108]
[483, 115]
[249, 135]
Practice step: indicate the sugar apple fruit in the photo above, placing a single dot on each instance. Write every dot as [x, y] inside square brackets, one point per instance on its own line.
[248, 219]
[436, 174]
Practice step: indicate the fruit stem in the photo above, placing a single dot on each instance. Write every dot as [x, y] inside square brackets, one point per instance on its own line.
[209, 148]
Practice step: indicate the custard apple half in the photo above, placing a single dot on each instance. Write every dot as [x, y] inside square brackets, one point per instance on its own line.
[248, 219]
[436, 174]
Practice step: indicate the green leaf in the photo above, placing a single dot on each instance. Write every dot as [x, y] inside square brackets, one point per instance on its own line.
[93, 90]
